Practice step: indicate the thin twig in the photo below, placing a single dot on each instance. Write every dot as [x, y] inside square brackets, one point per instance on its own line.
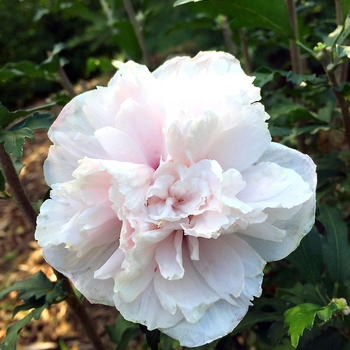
[138, 31]
[248, 62]
[227, 34]
[20, 197]
[65, 82]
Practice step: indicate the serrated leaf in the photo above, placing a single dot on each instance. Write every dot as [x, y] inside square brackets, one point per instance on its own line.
[307, 258]
[335, 247]
[14, 140]
[265, 75]
[35, 286]
[298, 318]
[270, 14]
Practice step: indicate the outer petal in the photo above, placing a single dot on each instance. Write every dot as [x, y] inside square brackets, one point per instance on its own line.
[80, 270]
[297, 226]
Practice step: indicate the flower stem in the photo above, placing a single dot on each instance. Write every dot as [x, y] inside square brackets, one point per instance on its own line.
[20, 197]
[138, 31]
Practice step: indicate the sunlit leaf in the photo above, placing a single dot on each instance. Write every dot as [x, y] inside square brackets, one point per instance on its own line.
[298, 318]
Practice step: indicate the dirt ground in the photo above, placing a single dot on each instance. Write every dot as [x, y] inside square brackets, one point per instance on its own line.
[21, 257]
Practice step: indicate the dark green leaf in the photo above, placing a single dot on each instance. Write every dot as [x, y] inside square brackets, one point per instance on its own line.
[36, 286]
[14, 140]
[279, 131]
[10, 341]
[38, 292]
[265, 75]
[270, 14]
[307, 258]
[254, 317]
[297, 79]
[122, 332]
[36, 121]
[336, 251]
[23, 68]
[7, 117]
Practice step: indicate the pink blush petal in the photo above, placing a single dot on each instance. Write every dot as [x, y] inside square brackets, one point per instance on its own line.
[169, 257]
[120, 146]
[145, 128]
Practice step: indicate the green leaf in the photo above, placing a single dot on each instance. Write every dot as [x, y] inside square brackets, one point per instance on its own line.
[298, 318]
[297, 79]
[35, 286]
[279, 131]
[335, 247]
[22, 68]
[36, 121]
[265, 75]
[7, 117]
[307, 258]
[122, 332]
[270, 14]
[10, 341]
[14, 140]
[38, 292]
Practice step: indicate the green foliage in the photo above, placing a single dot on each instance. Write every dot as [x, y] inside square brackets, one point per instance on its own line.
[14, 137]
[37, 293]
[308, 257]
[255, 13]
[303, 316]
[122, 332]
[335, 248]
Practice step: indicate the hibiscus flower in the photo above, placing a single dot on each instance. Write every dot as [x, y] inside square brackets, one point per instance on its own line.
[168, 196]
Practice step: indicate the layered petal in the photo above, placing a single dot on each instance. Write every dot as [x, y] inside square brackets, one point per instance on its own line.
[168, 196]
